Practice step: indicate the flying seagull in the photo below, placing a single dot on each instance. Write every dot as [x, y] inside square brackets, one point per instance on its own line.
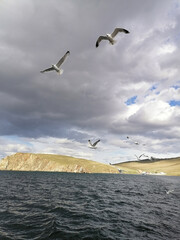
[140, 156]
[135, 142]
[94, 144]
[56, 66]
[169, 191]
[110, 37]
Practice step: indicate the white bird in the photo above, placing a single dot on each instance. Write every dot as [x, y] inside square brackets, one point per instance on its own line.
[169, 191]
[93, 145]
[140, 156]
[110, 37]
[56, 66]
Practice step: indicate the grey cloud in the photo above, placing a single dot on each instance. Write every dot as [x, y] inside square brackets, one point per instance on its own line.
[89, 95]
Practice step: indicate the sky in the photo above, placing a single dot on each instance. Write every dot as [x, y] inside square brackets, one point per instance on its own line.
[131, 88]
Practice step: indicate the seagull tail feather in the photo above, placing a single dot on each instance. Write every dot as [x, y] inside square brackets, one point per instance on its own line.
[61, 71]
[113, 42]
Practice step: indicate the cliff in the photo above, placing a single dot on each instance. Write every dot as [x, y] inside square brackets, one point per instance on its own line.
[53, 163]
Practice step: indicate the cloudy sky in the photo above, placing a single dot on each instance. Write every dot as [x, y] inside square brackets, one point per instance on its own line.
[129, 89]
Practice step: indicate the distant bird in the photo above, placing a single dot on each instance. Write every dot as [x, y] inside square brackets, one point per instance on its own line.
[141, 156]
[169, 191]
[94, 144]
[110, 37]
[135, 142]
[56, 66]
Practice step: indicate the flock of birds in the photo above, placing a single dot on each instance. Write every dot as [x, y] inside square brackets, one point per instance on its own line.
[57, 67]
[108, 37]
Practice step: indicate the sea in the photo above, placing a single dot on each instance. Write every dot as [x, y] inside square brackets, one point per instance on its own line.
[53, 205]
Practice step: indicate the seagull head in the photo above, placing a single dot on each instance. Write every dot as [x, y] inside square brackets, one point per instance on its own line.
[55, 66]
[110, 38]
[108, 35]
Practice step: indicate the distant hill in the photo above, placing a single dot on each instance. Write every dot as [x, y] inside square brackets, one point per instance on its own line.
[60, 163]
[170, 166]
[55, 163]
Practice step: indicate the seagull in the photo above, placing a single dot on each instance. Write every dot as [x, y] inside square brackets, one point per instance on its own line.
[135, 142]
[170, 191]
[110, 37]
[94, 144]
[56, 66]
[139, 158]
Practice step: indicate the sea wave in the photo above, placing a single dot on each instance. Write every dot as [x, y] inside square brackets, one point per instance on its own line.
[40, 206]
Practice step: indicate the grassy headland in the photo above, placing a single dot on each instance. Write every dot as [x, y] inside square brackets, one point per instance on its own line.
[51, 162]
[169, 166]
[60, 163]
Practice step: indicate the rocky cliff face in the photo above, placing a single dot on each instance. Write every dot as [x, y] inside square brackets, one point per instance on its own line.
[56, 163]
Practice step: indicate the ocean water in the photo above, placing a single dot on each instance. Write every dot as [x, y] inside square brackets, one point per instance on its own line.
[40, 205]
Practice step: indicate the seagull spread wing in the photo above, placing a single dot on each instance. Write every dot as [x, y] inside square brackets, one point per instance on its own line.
[100, 38]
[94, 144]
[116, 30]
[170, 191]
[47, 70]
[62, 59]
[136, 156]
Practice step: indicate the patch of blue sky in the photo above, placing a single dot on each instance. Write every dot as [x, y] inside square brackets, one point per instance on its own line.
[173, 103]
[154, 87]
[131, 100]
[175, 86]
[17, 139]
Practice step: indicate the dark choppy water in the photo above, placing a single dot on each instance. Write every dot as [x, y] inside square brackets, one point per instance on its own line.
[36, 205]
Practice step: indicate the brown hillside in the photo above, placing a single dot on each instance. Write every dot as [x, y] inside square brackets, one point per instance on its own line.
[50, 162]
